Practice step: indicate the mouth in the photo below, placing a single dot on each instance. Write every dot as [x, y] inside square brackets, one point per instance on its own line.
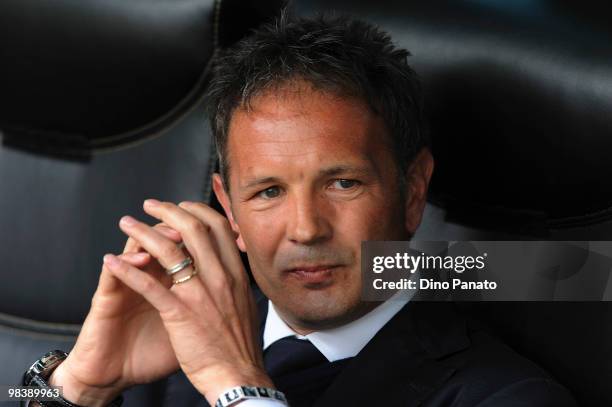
[313, 274]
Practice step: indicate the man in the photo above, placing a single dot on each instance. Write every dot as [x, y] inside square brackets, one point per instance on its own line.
[319, 131]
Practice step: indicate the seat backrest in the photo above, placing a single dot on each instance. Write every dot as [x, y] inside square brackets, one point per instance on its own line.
[519, 101]
[100, 108]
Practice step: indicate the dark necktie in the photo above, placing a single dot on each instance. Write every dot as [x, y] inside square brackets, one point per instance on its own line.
[299, 370]
[291, 354]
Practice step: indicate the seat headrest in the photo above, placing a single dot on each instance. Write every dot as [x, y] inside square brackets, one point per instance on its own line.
[80, 76]
[519, 96]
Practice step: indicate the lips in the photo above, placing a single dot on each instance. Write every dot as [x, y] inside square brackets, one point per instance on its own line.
[313, 274]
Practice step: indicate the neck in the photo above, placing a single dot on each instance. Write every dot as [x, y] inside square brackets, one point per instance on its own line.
[307, 327]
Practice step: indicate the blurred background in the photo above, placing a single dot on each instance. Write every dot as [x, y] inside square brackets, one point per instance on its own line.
[100, 108]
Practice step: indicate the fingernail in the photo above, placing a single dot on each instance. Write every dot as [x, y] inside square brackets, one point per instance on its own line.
[111, 260]
[128, 221]
[151, 202]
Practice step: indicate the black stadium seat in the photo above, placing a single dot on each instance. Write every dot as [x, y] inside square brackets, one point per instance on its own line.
[519, 100]
[100, 109]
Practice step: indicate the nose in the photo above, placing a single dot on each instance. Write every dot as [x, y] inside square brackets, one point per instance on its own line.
[308, 223]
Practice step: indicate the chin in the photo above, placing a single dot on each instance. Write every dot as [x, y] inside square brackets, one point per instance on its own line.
[317, 310]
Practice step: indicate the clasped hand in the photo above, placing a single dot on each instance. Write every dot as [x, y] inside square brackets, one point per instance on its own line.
[142, 327]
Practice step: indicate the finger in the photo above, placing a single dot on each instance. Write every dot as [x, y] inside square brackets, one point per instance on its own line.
[162, 299]
[222, 233]
[133, 246]
[152, 266]
[140, 260]
[196, 237]
[136, 259]
[222, 273]
[206, 233]
[108, 282]
[224, 242]
[167, 257]
[167, 252]
[145, 262]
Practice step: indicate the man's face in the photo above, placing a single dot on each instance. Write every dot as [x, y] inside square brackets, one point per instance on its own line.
[311, 177]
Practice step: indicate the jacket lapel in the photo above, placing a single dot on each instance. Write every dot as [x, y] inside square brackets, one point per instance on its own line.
[262, 311]
[403, 364]
[405, 361]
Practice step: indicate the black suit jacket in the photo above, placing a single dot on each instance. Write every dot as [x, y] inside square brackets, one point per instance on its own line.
[427, 355]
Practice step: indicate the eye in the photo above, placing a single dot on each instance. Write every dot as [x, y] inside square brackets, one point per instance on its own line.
[269, 193]
[345, 184]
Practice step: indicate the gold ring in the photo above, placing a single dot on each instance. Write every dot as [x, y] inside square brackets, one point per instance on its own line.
[186, 278]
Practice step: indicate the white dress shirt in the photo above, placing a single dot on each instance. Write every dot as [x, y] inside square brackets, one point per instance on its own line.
[336, 343]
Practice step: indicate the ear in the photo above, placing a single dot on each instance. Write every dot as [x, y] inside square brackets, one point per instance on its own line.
[417, 184]
[224, 198]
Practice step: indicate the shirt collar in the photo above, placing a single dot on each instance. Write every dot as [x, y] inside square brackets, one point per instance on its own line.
[344, 341]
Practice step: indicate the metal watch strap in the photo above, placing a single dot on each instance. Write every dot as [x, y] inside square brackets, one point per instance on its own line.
[62, 402]
[40, 371]
[44, 366]
[239, 393]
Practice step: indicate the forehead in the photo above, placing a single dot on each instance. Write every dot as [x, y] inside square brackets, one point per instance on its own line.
[299, 127]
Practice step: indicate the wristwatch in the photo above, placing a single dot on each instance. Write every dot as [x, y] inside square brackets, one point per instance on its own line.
[239, 393]
[38, 375]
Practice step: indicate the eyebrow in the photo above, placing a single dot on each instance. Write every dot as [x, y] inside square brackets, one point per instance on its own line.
[259, 181]
[328, 172]
[343, 169]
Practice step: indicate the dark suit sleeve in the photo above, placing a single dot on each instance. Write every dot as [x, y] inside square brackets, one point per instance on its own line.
[532, 392]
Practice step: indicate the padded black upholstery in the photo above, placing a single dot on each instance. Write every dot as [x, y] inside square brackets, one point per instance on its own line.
[87, 76]
[519, 96]
[99, 109]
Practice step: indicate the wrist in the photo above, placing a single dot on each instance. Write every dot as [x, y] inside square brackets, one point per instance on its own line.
[214, 383]
[80, 393]
[236, 395]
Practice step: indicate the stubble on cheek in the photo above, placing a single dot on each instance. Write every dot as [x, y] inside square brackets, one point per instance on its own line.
[322, 308]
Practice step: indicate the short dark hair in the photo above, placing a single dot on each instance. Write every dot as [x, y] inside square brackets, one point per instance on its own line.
[338, 54]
